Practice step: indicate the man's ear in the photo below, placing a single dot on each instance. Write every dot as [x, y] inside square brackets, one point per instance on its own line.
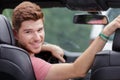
[15, 34]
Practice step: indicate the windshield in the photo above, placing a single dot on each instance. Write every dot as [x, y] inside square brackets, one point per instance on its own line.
[61, 30]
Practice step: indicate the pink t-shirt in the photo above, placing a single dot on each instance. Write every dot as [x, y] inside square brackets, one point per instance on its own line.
[40, 67]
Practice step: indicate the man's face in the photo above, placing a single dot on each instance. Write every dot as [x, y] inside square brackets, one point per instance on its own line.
[31, 35]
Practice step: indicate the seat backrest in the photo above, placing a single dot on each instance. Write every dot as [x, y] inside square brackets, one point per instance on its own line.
[106, 65]
[6, 34]
[15, 63]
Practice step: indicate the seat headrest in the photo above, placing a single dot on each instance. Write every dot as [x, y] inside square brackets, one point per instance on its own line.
[6, 33]
[116, 41]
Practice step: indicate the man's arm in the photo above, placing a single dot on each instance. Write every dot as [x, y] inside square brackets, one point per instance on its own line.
[81, 66]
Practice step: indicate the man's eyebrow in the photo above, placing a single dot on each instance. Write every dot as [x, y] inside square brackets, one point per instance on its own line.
[27, 30]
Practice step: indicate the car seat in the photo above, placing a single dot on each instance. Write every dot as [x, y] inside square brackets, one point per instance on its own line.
[15, 63]
[106, 65]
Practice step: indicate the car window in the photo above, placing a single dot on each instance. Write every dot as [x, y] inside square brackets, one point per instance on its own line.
[111, 13]
[61, 30]
[114, 12]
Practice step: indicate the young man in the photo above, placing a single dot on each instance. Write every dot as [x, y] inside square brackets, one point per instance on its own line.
[28, 26]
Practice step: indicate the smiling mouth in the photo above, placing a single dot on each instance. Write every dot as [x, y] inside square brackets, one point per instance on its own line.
[37, 45]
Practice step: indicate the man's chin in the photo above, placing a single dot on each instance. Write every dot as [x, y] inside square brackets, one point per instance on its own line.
[36, 51]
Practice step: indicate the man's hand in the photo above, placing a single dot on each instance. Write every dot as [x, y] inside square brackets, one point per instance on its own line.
[55, 50]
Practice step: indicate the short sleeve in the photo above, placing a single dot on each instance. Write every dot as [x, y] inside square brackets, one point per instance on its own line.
[40, 67]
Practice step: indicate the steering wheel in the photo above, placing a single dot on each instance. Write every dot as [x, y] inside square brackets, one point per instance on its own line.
[47, 56]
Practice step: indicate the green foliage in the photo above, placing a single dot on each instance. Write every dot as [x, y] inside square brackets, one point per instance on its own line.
[8, 13]
[60, 30]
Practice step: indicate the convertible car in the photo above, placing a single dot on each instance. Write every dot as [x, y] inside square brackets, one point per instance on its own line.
[66, 23]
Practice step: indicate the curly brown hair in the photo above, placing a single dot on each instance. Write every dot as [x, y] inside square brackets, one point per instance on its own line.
[25, 11]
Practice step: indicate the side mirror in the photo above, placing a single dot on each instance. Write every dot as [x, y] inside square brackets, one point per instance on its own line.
[93, 19]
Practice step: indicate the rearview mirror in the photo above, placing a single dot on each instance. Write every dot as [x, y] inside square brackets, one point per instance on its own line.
[95, 19]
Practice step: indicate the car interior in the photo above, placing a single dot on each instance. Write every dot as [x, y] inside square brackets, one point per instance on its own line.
[106, 65]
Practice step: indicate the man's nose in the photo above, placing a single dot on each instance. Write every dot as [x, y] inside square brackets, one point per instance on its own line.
[36, 36]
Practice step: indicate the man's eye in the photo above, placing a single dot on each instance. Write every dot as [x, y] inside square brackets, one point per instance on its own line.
[28, 31]
[40, 30]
